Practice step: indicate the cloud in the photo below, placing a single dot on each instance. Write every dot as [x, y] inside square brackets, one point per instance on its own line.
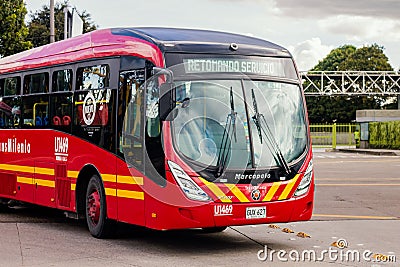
[359, 28]
[309, 52]
[318, 8]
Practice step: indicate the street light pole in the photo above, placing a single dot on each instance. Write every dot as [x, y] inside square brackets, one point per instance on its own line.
[65, 22]
[398, 101]
[52, 35]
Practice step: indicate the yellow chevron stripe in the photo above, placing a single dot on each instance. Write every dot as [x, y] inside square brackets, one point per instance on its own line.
[217, 191]
[73, 174]
[130, 180]
[44, 171]
[110, 191]
[24, 180]
[45, 183]
[236, 191]
[130, 194]
[109, 178]
[288, 188]
[272, 191]
[16, 168]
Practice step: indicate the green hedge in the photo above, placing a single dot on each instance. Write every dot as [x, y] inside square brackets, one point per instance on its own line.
[384, 134]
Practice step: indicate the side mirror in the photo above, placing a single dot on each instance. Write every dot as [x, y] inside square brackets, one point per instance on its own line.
[167, 102]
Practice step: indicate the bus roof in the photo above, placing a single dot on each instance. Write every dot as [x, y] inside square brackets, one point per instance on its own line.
[182, 40]
[145, 42]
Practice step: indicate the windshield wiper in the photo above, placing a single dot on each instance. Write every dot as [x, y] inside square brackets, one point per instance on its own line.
[229, 130]
[263, 128]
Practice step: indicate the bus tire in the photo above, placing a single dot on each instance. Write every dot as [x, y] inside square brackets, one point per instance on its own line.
[4, 208]
[96, 209]
[210, 230]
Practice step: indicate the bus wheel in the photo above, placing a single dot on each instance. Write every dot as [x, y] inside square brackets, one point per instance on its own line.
[3, 205]
[210, 230]
[96, 211]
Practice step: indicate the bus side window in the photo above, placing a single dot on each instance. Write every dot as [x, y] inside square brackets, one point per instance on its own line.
[2, 87]
[93, 77]
[11, 86]
[36, 83]
[35, 111]
[152, 113]
[10, 112]
[155, 160]
[62, 81]
[61, 111]
[94, 116]
[61, 100]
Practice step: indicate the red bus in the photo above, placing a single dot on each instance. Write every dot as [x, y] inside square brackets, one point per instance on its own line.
[157, 127]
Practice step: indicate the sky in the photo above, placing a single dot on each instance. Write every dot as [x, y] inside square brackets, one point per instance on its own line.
[309, 29]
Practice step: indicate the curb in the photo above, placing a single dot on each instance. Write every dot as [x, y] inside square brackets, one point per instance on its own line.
[369, 152]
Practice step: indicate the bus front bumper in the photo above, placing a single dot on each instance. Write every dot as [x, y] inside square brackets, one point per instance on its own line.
[161, 216]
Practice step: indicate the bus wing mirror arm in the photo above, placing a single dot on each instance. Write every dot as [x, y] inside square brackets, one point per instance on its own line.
[162, 71]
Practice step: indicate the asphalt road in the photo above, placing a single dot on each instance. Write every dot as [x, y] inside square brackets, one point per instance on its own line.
[357, 205]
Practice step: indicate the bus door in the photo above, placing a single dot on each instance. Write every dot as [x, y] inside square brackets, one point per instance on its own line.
[130, 177]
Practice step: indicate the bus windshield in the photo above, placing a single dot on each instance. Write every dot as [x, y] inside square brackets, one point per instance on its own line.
[211, 113]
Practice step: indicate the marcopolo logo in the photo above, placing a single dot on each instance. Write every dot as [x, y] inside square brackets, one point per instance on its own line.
[240, 176]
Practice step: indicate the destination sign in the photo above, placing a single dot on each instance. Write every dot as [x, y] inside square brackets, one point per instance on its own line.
[260, 66]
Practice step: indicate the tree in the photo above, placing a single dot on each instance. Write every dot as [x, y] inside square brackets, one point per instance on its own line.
[328, 109]
[39, 25]
[367, 58]
[13, 31]
[335, 58]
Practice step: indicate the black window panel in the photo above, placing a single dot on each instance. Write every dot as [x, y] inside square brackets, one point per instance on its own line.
[1, 87]
[62, 81]
[128, 63]
[155, 157]
[36, 83]
[10, 86]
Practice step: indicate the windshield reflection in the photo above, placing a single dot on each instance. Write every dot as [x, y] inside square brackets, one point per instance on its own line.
[201, 119]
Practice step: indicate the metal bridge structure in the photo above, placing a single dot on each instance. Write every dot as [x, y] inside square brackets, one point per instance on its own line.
[351, 83]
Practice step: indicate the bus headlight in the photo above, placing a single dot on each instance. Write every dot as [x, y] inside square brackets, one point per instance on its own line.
[305, 181]
[188, 186]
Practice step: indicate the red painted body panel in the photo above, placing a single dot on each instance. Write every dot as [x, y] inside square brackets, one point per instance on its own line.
[130, 210]
[39, 165]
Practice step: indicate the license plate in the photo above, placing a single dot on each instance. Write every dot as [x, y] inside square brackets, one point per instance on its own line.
[256, 212]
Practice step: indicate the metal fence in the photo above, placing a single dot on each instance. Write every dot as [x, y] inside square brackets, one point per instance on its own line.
[333, 135]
